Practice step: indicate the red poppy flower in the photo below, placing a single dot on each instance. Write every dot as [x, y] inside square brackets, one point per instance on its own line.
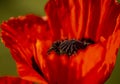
[13, 80]
[76, 43]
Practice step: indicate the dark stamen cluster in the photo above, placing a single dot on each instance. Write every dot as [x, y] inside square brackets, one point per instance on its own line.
[69, 47]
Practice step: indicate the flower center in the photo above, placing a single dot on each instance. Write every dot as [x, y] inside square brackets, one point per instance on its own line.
[69, 47]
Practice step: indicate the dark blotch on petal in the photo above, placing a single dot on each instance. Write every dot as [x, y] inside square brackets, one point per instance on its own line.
[36, 67]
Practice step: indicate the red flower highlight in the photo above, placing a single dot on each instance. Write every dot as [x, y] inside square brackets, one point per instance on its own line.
[13, 80]
[30, 37]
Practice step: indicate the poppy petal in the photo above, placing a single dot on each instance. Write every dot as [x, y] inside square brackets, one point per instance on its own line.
[13, 80]
[82, 18]
[20, 35]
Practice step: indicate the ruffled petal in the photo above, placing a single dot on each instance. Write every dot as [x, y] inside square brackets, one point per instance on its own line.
[20, 36]
[13, 80]
[82, 18]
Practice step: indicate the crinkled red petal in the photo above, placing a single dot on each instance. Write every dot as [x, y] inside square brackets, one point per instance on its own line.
[20, 36]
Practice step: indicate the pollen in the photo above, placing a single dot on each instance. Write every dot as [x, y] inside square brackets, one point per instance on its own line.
[69, 47]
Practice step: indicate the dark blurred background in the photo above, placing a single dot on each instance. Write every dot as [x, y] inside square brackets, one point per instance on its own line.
[9, 8]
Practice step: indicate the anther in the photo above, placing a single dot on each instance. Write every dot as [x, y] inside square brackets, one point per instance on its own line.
[69, 47]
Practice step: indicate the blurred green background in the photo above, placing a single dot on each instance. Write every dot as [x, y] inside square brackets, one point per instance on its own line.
[9, 8]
